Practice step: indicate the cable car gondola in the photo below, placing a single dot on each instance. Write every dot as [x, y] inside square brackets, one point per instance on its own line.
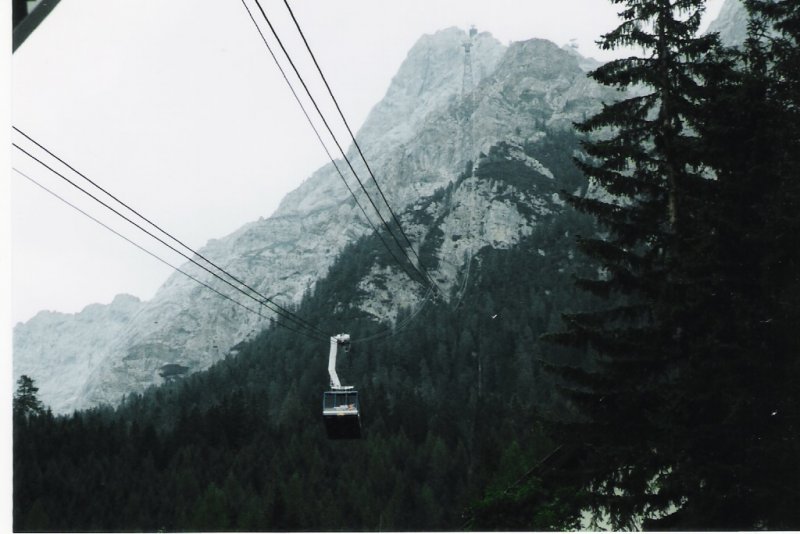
[341, 410]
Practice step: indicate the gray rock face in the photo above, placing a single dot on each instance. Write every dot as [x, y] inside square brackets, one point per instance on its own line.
[416, 140]
[428, 81]
[60, 350]
[481, 210]
[731, 23]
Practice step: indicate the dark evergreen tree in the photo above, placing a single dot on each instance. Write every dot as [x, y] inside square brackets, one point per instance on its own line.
[26, 403]
[736, 403]
[646, 187]
[693, 400]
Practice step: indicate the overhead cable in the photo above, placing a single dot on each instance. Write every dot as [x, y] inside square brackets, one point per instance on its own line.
[355, 143]
[154, 255]
[262, 299]
[324, 147]
[154, 225]
[400, 327]
[336, 142]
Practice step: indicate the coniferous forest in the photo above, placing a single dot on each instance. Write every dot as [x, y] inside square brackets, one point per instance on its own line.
[631, 364]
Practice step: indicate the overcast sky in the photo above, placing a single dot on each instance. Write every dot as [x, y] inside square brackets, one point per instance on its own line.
[178, 110]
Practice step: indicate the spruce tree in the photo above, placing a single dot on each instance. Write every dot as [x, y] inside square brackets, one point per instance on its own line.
[647, 186]
[26, 403]
[738, 422]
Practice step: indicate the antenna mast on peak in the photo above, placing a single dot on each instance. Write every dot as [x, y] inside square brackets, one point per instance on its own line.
[466, 82]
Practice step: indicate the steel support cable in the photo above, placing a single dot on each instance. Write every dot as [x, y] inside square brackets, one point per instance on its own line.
[324, 147]
[262, 299]
[358, 147]
[336, 142]
[157, 257]
[402, 326]
[235, 279]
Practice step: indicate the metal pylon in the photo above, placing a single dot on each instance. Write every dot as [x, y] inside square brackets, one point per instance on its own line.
[467, 104]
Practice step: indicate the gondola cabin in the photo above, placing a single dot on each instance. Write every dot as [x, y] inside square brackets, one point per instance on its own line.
[341, 410]
[342, 414]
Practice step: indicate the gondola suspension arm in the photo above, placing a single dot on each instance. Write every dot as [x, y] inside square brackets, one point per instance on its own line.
[336, 341]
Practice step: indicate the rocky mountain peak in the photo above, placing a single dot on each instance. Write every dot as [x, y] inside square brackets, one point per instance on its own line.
[428, 79]
[431, 74]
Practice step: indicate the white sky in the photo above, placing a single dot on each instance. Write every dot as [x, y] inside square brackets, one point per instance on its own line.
[177, 109]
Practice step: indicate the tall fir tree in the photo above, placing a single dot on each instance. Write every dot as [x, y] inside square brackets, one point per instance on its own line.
[647, 187]
[26, 403]
[738, 415]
